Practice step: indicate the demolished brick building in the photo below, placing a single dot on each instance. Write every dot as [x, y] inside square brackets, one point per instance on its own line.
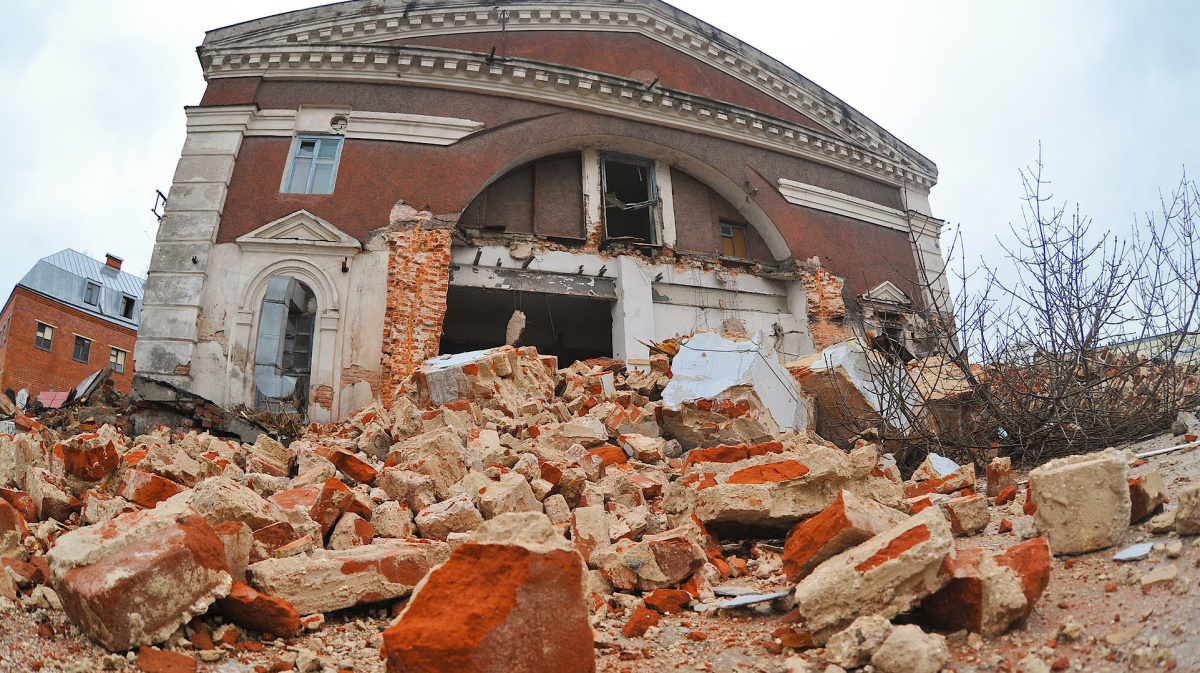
[367, 184]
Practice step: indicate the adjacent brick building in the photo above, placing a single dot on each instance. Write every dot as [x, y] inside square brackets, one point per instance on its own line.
[368, 183]
[70, 316]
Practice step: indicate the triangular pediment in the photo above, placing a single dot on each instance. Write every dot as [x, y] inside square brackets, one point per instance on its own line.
[300, 227]
[886, 293]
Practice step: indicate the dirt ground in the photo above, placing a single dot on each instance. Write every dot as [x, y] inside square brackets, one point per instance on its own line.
[1127, 627]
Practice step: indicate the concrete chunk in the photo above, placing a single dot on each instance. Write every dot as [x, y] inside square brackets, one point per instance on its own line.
[510, 494]
[516, 590]
[847, 522]
[332, 580]
[1082, 501]
[885, 575]
[456, 515]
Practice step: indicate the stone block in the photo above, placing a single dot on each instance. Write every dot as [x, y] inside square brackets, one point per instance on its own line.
[510, 494]
[393, 520]
[172, 462]
[908, 649]
[135, 579]
[52, 500]
[1082, 501]
[456, 515]
[238, 539]
[99, 507]
[333, 580]
[1146, 495]
[220, 499]
[439, 454]
[999, 476]
[516, 590]
[351, 531]
[852, 646]
[1187, 513]
[589, 532]
[405, 486]
[89, 457]
[989, 594]
[969, 514]
[849, 521]
[886, 575]
[658, 561]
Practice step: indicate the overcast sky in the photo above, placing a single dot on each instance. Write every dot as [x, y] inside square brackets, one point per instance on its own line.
[92, 96]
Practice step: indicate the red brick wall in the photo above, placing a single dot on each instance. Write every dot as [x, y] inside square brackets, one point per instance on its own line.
[826, 309]
[23, 365]
[418, 277]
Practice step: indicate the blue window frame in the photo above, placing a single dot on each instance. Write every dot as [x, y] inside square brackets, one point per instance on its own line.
[314, 165]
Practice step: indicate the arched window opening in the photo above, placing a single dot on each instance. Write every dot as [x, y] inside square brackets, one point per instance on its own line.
[283, 354]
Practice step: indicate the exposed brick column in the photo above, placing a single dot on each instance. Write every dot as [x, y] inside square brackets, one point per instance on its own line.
[826, 311]
[418, 277]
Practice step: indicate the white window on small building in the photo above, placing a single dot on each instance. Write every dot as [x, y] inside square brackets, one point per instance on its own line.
[313, 168]
[91, 294]
[45, 336]
[630, 200]
[83, 349]
[127, 305]
[116, 359]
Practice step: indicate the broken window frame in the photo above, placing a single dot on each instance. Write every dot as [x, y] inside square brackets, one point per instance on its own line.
[280, 383]
[314, 161]
[651, 204]
[734, 231]
[116, 359]
[91, 294]
[82, 352]
[128, 305]
[44, 337]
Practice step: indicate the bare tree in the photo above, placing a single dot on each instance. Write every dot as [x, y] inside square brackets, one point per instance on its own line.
[1077, 341]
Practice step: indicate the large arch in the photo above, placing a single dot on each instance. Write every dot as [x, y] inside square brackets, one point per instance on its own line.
[722, 184]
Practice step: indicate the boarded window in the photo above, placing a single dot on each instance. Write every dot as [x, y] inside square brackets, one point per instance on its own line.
[543, 198]
[733, 240]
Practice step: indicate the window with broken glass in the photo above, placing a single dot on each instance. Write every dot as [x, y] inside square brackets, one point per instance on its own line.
[116, 360]
[83, 349]
[314, 164]
[45, 336]
[283, 352]
[127, 304]
[630, 200]
[91, 294]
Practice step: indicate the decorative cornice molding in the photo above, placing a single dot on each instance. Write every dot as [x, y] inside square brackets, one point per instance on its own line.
[289, 37]
[561, 85]
[361, 125]
[886, 293]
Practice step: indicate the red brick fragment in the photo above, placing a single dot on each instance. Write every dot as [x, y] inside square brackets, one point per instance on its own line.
[154, 660]
[667, 601]
[611, 455]
[21, 501]
[640, 622]
[844, 524]
[146, 489]
[902, 543]
[259, 612]
[352, 466]
[1005, 526]
[769, 473]
[1007, 495]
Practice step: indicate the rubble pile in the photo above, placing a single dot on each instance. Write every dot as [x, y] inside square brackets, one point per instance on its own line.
[514, 515]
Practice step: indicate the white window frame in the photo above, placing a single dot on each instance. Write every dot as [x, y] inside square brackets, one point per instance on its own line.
[53, 329]
[124, 361]
[291, 167]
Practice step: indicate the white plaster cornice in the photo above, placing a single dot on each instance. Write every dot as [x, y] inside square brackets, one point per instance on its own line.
[361, 125]
[830, 201]
[566, 86]
[287, 39]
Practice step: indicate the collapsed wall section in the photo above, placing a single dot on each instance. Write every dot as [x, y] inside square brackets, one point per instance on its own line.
[417, 280]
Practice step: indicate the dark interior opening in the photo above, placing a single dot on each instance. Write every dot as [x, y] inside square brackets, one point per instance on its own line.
[572, 328]
[629, 200]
